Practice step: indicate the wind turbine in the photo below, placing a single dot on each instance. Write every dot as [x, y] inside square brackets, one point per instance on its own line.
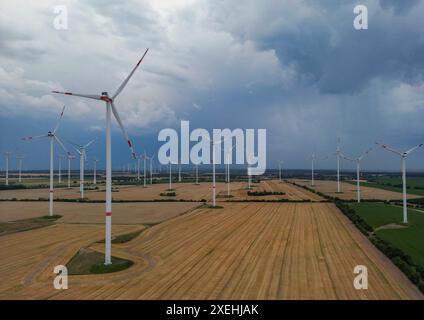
[179, 172]
[197, 174]
[53, 137]
[249, 186]
[138, 167]
[279, 169]
[7, 155]
[338, 154]
[170, 176]
[70, 157]
[20, 159]
[228, 169]
[144, 169]
[151, 168]
[60, 168]
[403, 156]
[313, 158]
[94, 171]
[82, 151]
[110, 108]
[358, 168]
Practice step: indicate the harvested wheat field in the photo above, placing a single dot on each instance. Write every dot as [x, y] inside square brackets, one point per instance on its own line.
[291, 192]
[123, 213]
[244, 251]
[348, 191]
[185, 191]
[26, 255]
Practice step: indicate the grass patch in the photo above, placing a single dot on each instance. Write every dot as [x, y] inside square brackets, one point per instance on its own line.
[127, 237]
[124, 237]
[168, 194]
[216, 207]
[27, 224]
[225, 196]
[264, 193]
[87, 261]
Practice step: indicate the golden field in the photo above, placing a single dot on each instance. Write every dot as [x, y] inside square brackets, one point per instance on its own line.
[242, 251]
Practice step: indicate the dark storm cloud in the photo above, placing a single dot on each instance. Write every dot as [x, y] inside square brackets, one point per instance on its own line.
[399, 6]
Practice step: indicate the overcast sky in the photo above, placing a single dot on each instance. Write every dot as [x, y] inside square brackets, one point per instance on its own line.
[296, 68]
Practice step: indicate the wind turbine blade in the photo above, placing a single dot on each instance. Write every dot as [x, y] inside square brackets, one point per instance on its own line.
[77, 150]
[88, 144]
[122, 86]
[365, 154]
[346, 157]
[390, 149]
[414, 148]
[89, 96]
[60, 120]
[115, 113]
[75, 144]
[61, 144]
[36, 137]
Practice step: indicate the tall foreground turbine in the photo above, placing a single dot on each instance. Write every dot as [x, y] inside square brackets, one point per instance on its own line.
[110, 108]
[358, 168]
[403, 156]
[53, 137]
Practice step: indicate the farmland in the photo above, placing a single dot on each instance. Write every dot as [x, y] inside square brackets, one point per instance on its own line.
[243, 251]
[348, 190]
[415, 186]
[386, 221]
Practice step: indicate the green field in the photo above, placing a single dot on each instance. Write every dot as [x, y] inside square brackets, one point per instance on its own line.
[409, 239]
[414, 185]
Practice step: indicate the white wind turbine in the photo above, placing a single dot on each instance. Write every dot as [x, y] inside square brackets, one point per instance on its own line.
[197, 174]
[138, 166]
[20, 159]
[144, 169]
[61, 156]
[338, 154]
[213, 169]
[7, 155]
[249, 185]
[110, 108]
[229, 152]
[179, 172]
[151, 168]
[82, 151]
[170, 176]
[53, 137]
[358, 168]
[313, 158]
[70, 157]
[403, 156]
[95, 161]
[279, 169]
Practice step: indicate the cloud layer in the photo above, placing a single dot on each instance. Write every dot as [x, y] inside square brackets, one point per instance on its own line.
[297, 68]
